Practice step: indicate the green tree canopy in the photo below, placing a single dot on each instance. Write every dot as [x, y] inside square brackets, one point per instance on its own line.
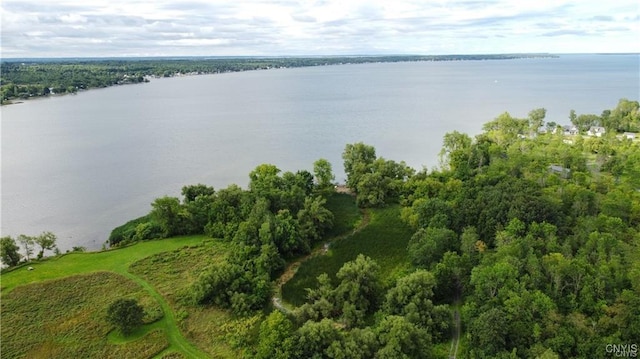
[9, 251]
[125, 315]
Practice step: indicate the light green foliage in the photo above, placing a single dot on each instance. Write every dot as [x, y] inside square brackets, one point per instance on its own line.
[625, 117]
[358, 160]
[504, 130]
[9, 251]
[323, 173]
[46, 241]
[27, 243]
[276, 337]
[376, 181]
[536, 119]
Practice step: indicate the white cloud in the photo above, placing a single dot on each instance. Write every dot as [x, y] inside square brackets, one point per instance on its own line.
[33, 28]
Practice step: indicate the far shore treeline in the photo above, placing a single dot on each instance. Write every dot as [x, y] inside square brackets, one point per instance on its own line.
[26, 78]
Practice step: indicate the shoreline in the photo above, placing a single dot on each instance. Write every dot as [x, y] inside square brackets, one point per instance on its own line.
[198, 66]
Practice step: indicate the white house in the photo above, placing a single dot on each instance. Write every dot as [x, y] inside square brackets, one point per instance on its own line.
[596, 131]
[570, 130]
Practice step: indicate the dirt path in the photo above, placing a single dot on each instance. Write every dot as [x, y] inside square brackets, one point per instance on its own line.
[292, 267]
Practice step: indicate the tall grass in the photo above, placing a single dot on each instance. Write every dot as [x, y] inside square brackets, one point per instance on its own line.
[385, 240]
[65, 318]
[171, 274]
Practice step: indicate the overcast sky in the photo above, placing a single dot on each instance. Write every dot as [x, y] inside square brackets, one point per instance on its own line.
[92, 28]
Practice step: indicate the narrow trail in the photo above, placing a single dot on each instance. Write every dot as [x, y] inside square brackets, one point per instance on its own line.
[455, 335]
[171, 329]
[455, 331]
[292, 267]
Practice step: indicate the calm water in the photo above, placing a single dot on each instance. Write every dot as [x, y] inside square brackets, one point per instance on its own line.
[81, 165]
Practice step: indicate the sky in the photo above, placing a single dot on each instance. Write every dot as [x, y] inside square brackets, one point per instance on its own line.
[115, 28]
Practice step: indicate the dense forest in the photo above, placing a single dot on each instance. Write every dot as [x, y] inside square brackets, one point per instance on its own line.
[526, 243]
[25, 78]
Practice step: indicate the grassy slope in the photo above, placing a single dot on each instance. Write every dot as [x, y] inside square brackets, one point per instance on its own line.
[65, 319]
[384, 240]
[117, 260]
[171, 273]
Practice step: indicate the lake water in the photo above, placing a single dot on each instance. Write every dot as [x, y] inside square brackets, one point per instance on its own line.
[81, 165]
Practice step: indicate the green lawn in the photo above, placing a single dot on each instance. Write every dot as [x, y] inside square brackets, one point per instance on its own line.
[385, 240]
[115, 260]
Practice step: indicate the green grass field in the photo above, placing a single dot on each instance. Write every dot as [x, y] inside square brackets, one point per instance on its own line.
[385, 240]
[45, 278]
[115, 260]
[64, 318]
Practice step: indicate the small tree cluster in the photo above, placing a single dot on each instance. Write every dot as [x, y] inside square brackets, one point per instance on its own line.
[10, 250]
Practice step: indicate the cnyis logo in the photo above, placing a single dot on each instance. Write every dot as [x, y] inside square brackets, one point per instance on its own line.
[622, 350]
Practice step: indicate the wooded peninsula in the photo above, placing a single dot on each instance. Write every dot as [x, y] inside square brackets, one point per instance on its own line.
[525, 243]
[27, 78]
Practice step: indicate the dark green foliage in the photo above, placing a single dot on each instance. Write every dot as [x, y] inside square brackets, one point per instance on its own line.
[427, 246]
[142, 228]
[9, 251]
[400, 338]
[384, 240]
[125, 315]
[357, 294]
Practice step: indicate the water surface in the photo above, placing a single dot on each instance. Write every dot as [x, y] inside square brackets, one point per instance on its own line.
[79, 165]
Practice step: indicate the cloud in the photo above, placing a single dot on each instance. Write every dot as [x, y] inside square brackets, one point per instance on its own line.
[283, 27]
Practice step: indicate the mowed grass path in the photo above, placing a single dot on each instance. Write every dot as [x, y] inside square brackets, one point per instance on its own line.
[118, 261]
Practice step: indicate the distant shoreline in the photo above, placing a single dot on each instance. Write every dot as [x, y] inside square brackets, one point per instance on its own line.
[25, 79]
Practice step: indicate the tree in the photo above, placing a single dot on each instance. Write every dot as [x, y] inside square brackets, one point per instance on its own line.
[9, 251]
[27, 243]
[400, 338]
[275, 339]
[411, 298]
[359, 284]
[169, 214]
[191, 192]
[358, 160]
[427, 246]
[323, 174]
[314, 219]
[125, 315]
[46, 240]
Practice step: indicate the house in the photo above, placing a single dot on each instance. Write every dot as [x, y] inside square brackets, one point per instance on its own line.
[559, 170]
[629, 135]
[596, 131]
[570, 130]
